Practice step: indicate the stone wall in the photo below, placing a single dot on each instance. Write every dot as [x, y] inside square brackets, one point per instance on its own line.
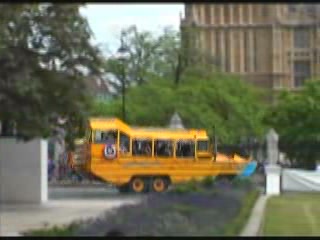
[23, 171]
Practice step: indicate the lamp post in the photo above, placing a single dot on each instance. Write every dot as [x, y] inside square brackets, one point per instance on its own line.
[122, 55]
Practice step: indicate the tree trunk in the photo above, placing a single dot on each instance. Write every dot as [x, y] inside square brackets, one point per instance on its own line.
[7, 128]
[310, 164]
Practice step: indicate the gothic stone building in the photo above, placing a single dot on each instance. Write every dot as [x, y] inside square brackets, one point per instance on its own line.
[272, 45]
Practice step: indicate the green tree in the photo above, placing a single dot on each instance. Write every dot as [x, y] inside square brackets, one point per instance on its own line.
[296, 118]
[204, 99]
[141, 47]
[149, 56]
[45, 54]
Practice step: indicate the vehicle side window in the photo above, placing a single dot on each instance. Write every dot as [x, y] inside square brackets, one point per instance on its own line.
[141, 147]
[203, 145]
[106, 137]
[185, 149]
[163, 148]
[124, 143]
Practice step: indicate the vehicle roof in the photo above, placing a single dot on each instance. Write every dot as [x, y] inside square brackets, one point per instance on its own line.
[146, 132]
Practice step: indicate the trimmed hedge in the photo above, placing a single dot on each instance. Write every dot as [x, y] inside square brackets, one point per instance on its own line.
[239, 222]
[206, 208]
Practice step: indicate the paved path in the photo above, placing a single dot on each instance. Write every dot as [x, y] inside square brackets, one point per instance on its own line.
[69, 204]
[253, 225]
[64, 206]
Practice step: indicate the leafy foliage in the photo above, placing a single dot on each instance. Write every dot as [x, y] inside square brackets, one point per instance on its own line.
[45, 54]
[208, 182]
[238, 222]
[205, 213]
[149, 56]
[140, 50]
[203, 99]
[161, 81]
[66, 230]
[296, 118]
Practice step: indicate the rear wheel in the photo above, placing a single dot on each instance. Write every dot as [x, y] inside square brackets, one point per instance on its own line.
[138, 185]
[159, 184]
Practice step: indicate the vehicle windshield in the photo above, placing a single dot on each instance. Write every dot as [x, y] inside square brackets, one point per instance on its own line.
[106, 136]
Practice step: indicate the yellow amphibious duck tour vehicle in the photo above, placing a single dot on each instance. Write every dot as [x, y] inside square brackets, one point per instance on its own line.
[146, 159]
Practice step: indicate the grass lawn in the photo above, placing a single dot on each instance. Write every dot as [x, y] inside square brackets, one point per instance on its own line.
[293, 214]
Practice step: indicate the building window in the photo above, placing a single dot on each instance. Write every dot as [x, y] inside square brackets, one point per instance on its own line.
[236, 14]
[227, 51]
[188, 10]
[218, 49]
[265, 11]
[311, 10]
[301, 38]
[302, 72]
[226, 14]
[208, 13]
[247, 51]
[199, 14]
[292, 8]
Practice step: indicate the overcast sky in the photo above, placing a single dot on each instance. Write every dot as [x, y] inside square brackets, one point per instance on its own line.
[106, 19]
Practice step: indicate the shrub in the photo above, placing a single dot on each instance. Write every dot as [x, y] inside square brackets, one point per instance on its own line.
[244, 182]
[197, 212]
[208, 182]
[241, 219]
[65, 230]
[187, 187]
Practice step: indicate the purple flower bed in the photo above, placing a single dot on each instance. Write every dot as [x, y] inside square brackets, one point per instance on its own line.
[199, 213]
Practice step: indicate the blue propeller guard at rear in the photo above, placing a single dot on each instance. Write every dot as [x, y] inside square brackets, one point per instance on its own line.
[249, 169]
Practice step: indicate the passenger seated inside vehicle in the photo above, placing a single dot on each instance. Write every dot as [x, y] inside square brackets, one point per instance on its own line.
[146, 148]
[124, 143]
[141, 147]
[163, 148]
[185, 149]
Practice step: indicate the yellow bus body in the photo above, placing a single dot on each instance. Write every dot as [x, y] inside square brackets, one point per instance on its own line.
[120, 170]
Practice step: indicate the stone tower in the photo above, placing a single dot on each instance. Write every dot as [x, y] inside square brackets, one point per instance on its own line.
[274, 46]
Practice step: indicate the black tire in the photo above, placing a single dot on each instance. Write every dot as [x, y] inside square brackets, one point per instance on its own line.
[139, 185]
[165, 183]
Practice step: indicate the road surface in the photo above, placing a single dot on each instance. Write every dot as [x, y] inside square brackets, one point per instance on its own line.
[65, 205]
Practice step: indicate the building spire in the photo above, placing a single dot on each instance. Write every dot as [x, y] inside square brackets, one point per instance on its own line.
[176, 122]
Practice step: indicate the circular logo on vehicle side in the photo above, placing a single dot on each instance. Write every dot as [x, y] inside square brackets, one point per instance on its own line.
[110, 151]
